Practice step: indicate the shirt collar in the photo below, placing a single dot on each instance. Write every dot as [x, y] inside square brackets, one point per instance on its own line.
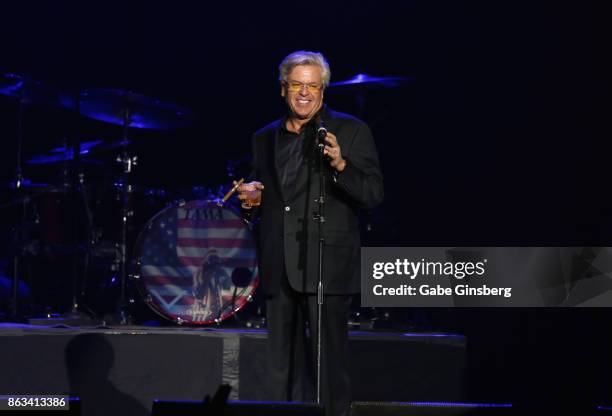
[321, 114]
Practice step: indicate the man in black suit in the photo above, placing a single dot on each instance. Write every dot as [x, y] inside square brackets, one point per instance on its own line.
[285, 161]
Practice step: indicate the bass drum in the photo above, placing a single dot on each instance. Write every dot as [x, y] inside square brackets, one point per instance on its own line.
[196, 263]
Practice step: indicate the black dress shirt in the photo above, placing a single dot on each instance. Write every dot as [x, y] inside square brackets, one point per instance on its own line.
[290, 150]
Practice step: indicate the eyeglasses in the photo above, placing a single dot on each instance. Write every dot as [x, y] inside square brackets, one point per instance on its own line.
[295, 86]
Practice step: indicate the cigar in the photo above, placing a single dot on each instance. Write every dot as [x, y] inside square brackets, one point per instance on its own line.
[230, 192]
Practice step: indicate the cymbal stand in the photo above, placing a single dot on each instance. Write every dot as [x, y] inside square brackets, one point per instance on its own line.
[74, 189]
[128, 162]
[81, 193]
[69, 186]
[21, 220]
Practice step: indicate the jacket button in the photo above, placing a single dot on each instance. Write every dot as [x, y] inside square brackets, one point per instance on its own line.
[287, 208]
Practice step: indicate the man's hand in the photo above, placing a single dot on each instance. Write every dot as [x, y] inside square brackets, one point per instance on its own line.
[332, 150]
[250, 194]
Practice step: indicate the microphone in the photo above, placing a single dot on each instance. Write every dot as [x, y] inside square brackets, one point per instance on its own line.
[321, 133]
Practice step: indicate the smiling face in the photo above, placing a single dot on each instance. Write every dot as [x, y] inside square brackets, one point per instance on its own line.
[303, 91]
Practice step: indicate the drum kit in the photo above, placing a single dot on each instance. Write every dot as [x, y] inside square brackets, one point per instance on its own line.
[193, 262]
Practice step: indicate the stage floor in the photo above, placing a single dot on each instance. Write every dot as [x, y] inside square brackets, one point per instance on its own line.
[120, 368]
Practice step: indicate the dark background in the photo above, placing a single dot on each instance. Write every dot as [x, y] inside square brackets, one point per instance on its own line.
[498, 140]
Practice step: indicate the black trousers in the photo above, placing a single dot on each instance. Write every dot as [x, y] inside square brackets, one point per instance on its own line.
[292, 342]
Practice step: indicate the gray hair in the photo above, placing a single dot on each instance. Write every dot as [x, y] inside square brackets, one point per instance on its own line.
[304, 58]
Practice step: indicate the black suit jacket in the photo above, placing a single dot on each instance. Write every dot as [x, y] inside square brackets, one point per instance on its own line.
[287, 234]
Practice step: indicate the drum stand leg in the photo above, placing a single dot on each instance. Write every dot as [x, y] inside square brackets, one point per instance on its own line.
[78, 291]
[92, 238]
[21, 220]
[123, 312]
[17, 263]
[76, 194]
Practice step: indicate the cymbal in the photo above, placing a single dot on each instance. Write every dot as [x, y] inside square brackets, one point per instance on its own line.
[28, 90]
[10, 84]
[26, 184]
[365, 81]
[84, 147]
[66, 153]
[112, 105]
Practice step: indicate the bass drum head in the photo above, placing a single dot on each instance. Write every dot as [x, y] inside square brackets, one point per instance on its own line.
[196, 263]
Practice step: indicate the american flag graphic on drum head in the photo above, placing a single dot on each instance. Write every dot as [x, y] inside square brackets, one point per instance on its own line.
[197, 263]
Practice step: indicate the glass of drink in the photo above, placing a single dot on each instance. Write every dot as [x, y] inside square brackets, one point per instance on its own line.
[253, 197]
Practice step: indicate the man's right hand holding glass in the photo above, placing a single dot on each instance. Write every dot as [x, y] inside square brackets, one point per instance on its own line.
[250, 194]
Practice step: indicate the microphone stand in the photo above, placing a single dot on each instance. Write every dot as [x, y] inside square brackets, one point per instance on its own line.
[319, 218]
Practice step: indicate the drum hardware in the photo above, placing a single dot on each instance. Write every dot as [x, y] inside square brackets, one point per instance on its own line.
[65, 153]
[19, 237]
[72, 194]
[29, 91]
[258, 321]
[128, 162]
[117, 107]
[239, 167]
[241, 278]
[92, 240]
[26, 91]
[128, 110]
[362, 81]
[112, 105]
[70, 155]
[204, 193]
[74, 190]
[30, 190]
[374, 318]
